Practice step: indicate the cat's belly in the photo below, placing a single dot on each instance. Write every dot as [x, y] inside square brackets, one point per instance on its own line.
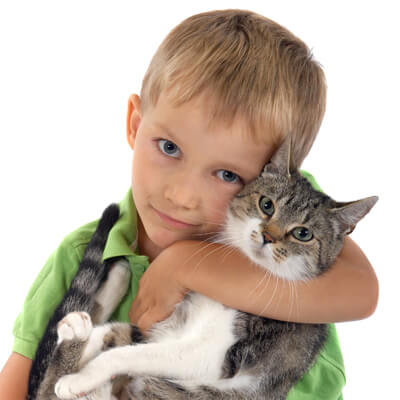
[202, 323]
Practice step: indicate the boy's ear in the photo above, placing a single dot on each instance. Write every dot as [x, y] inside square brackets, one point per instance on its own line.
[133, 119]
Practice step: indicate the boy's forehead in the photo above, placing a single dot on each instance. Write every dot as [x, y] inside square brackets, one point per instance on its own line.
[196, 115]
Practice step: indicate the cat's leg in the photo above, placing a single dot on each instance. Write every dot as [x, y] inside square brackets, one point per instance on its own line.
[76, 327]
[73, 333]
[111, 292]
[183, 360]
[76, 347]
[76, 330]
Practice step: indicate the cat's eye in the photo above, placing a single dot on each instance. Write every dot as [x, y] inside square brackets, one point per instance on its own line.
[303, 234]
[266, 206]
[169, 148]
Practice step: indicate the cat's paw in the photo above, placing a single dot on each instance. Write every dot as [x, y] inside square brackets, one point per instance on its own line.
[72, 387]
[88, 380]
[75, 325]
[64, 388]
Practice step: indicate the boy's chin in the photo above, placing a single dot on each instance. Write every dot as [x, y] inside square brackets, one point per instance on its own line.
[167, 240]
[164, 239]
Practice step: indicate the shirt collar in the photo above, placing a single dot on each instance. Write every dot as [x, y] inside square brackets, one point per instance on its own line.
[122, 239]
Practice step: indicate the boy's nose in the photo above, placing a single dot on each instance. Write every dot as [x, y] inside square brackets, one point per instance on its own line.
[183, 195]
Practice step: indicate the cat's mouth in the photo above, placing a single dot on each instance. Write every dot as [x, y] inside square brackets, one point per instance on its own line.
[268, 237]
[261, 243]
[258, 243]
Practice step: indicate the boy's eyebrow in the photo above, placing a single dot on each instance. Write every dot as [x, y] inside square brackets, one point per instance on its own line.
[242, 170]
[164, 128]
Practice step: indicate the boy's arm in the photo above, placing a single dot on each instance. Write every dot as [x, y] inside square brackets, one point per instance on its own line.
[14, 377]
[348, 291]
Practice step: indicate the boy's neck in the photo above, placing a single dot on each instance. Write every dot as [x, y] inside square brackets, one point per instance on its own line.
[145, 245]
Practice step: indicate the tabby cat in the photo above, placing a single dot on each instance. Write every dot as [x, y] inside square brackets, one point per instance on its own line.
[206, 350]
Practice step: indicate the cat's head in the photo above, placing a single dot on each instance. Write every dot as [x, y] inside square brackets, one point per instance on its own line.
[281, 223]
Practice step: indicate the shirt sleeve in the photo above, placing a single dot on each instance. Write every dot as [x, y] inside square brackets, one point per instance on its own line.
[311, 179]
[43, 297]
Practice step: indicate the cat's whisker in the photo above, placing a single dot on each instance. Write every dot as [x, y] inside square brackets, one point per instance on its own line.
[195, 267]
[233, 241]
[269, 275]
[291, 298]
[209, 222]
[224, 248]
[261, 281]
[306, 280]
[281, 292]
[228, 250]
[296, 294]
[211, 233]
[272, 297]
[202, 248]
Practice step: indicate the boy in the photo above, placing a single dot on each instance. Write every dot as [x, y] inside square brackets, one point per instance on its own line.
[220, 95]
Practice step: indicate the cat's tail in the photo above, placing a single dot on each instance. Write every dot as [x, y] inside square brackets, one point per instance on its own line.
[79, 297]
[92, 271]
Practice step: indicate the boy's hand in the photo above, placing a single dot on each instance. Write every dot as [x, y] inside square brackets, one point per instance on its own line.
[159, 291]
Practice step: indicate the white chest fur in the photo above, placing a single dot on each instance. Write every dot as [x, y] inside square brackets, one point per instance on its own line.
[204, 325]
[188, 347]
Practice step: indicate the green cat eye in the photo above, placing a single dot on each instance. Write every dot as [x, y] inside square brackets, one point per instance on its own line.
[303, 234]
[266, 206]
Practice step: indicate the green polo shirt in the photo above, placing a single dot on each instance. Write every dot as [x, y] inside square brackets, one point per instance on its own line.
[325, 379]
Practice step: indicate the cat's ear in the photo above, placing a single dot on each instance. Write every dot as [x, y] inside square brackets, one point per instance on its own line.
[349, 214]
[282, 161]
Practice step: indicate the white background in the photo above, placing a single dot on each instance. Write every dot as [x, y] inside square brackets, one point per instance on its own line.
[66, 71]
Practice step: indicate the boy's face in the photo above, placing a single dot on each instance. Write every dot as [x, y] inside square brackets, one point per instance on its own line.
[185, 170]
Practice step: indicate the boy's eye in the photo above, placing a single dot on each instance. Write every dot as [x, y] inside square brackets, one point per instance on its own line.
[228, 176]
[168, 147]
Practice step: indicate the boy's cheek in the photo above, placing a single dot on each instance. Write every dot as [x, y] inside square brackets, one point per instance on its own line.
[217, 207]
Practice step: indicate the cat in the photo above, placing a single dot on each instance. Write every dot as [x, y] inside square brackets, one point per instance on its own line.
[206, 350]
[96, 289]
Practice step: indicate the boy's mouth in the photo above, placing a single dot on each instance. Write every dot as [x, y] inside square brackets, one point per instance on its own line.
[172, 221]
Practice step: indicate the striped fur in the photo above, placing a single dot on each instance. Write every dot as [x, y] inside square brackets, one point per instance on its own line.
[79, 297]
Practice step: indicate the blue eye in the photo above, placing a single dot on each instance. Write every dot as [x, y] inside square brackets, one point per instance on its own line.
[228, 176]
[169, 148]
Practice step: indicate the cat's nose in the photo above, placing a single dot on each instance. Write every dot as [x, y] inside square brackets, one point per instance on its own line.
[268, 238]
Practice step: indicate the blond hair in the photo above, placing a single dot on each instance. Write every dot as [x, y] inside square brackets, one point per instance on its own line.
[252, 67]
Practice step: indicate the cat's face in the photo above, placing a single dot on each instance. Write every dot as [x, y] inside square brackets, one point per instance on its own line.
[281, 227]
[281, 223]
